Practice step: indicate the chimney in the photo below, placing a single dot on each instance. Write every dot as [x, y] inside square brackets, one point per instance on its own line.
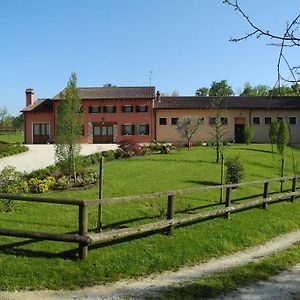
[29, 96]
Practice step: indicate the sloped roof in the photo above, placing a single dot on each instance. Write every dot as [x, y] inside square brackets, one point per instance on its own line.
[40, 105]
[194, 102]
[94, 93]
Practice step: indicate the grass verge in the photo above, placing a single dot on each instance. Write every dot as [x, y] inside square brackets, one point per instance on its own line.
[235, 278]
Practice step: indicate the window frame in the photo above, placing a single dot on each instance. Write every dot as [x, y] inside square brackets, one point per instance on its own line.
[146, 131]
[105, 109]
[174, 123]
[222, 120]
[269, 118]
[139, 110]
[256, 118]
[95, 109]
[294, 117]
[163, 123]
[125, 107]
[123, 131]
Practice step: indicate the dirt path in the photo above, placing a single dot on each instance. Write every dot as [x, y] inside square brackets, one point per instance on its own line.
[137, 289]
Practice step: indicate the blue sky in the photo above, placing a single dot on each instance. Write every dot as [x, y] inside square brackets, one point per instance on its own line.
[185, 43]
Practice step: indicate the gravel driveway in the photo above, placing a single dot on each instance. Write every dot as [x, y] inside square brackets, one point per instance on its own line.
[41, 156]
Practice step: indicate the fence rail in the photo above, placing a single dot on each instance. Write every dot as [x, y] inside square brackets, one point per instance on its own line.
[84, 238]
[10, 131]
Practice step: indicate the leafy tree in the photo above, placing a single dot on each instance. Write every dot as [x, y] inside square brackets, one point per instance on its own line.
[217, 88]
[3, 115]
[220, 89]
[18, 122]
[235, 171]
[108, 85]
[68, 128]
[187, 127]
[282, 142]
[257, 91]
[248, 131]
[273, 132]
[203, 91]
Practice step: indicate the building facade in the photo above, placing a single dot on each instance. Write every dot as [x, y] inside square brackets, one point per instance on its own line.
[138, 115]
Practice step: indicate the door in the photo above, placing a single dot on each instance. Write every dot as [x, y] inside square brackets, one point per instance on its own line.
[239, 135]
[41, 133]
[103, 133]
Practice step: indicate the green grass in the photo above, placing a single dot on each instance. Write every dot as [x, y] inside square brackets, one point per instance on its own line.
[12, 138]
[235, 278]
[48, 265]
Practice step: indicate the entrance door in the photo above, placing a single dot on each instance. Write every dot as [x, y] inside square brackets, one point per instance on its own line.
[41, 133]
[102, 133]
[239, 135]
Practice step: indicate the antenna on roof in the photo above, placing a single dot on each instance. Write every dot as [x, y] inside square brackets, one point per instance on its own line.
[150, 78]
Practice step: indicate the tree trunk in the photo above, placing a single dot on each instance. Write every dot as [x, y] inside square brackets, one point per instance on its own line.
[282, 173]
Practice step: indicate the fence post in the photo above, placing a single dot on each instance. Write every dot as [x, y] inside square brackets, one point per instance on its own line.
[266, 194]
[227, 203]
[83, 230]
[294, 184]
[100, 208]
[170, 213]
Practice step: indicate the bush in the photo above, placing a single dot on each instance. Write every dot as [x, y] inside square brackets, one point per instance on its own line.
[235, 170]
[37, 185]
[109, 155]
[62, 183]
[11, 182]
[248, 132]
[89, 178]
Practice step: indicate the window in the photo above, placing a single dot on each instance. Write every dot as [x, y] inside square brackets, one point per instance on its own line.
[162, 121]
[255, 120]
[109, 109]
[268, 120]
[200, 120]
[143, 129]
[127, 108]
[212, 120]
[127, 129]
[141, 108]
[224, 120]
[174, 121]
[41, 129]
[279, 118]
[292, 120]
[94, 109]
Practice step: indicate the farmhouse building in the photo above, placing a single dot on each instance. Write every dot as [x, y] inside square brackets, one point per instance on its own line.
[234, 113]
[138, 115]
[110, 115]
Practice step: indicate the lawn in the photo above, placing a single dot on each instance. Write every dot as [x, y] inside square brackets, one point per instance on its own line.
[28, 264]
[12, 138]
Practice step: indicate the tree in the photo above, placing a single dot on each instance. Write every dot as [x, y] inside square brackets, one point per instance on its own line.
[220, 89]
[217, 88]
[187, 127]
[203, 91]
[257, 91]
[218, 125]
[68, 127]
[289, 39]
[273, 132]
[3, 115]
[18, 122]
[282, 142]
[108, 85]
[248, 131]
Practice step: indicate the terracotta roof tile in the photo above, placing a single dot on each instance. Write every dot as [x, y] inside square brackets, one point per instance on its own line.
[40, 105]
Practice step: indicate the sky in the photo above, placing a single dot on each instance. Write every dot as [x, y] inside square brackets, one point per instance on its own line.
[183, 43]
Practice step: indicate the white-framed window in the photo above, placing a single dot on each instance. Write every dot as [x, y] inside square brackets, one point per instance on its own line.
[174, 121]
[162, 121]
[256, 120]
[141, 108]
[127, 129]
[143, 129]
[109, 109]
[293, 120]
[268, 120]
[127, 108]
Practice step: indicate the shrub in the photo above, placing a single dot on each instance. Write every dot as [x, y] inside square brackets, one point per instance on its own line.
[235, 170]
[37, 185]
[88, 178]
[62, 183]
[109, 155]
[248, 132]
[11, 182]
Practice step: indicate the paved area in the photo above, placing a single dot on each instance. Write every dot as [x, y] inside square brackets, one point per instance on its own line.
[143, 287]
[41, 156]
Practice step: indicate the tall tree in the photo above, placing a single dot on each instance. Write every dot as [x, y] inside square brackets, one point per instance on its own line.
[282, 142]
[69, 127]
[187, 128]
[273, 132]
[3, 115]
[108, 85]
[203, 91]
[257, 91]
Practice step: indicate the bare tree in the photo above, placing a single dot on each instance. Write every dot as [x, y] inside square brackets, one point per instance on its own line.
[289, 39]
[187, 127]
[218, 124]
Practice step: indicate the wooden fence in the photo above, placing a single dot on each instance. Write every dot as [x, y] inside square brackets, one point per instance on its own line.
[10, 131]
[84, 238]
